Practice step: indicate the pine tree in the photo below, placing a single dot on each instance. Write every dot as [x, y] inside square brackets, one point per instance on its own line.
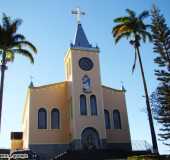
[161, 96]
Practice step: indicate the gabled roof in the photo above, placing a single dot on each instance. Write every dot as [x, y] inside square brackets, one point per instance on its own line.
[113, 89]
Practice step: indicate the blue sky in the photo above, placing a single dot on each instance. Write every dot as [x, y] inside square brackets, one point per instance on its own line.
[49, 25]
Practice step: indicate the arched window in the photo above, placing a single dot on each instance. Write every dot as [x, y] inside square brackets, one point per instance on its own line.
[116, 119]
[83, 105]
[42, 118]
[93, 105]
[107, 119]
[55, 119]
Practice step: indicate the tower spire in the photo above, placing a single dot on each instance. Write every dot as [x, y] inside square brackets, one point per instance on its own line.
[81, 40]
[80, 37]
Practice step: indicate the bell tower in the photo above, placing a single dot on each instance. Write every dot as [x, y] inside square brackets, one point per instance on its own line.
[82, 71]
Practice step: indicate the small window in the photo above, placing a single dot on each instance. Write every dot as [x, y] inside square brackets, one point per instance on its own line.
[93, 105]
[55, 119]
[83, 105]
[107, 119]
[116, 119]
[42, 118]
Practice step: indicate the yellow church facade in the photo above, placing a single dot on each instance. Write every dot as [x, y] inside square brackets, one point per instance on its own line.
[79, 113]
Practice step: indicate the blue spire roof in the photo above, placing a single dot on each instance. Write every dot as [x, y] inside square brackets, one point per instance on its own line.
[80, 38]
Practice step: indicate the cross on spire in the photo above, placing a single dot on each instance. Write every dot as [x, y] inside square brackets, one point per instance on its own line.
[78, 13]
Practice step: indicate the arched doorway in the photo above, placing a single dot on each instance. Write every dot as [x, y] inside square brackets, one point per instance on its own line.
[90, 139]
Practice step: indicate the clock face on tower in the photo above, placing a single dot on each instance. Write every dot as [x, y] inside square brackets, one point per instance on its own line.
[85, 63]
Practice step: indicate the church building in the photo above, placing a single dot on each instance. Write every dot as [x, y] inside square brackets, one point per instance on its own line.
[77, 114]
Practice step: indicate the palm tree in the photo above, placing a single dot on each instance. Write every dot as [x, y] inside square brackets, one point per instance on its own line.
[12, 43]
[135, 30]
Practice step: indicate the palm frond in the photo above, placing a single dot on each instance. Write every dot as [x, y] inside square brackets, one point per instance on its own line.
[9, 56]
[121, 19]
[8, 25]
[140, 25]
[21, 44]
[14, 25]
[116, 29]
[143, 15]
[148, 26]
[146, 35]
[131, 13]
[124, 29]
[6, 21]
[122, 35]
[143, 37]
[25, 53]
[18, 37]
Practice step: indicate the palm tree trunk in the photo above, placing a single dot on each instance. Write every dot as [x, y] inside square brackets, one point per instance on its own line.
[153, 135]
[3, 67]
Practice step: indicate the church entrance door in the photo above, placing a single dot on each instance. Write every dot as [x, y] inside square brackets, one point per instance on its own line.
[90, 139]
